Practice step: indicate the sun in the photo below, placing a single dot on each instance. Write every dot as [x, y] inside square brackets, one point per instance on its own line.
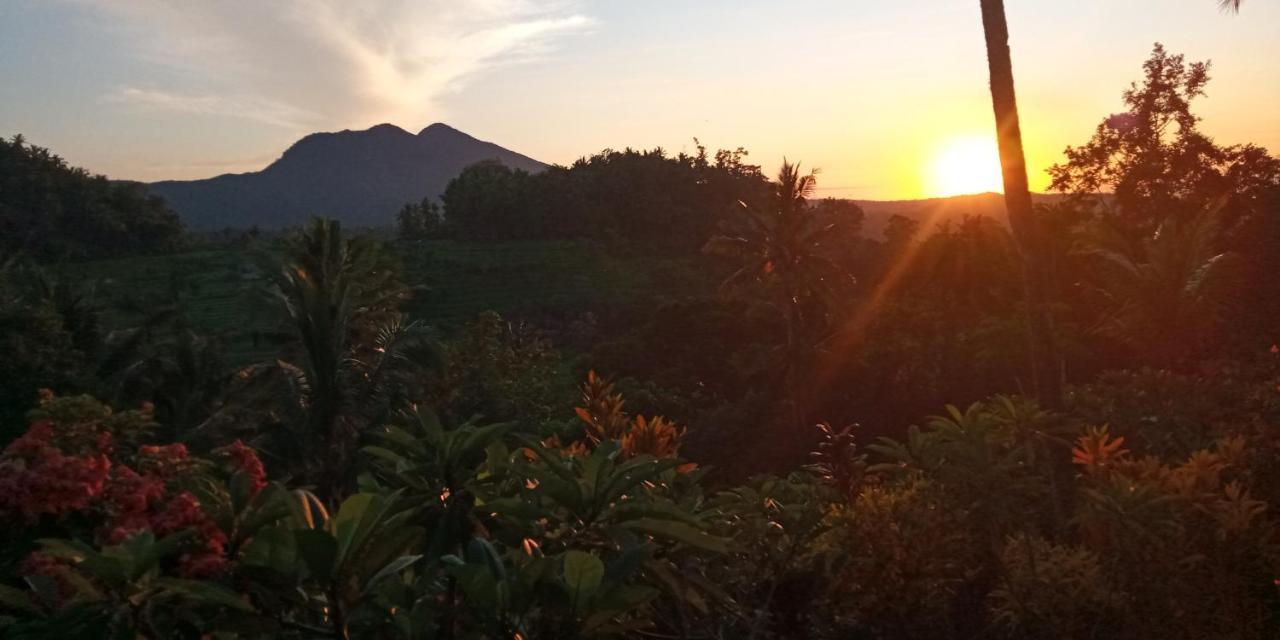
[966, 165]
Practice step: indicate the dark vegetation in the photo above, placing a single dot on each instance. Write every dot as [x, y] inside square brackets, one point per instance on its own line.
[359, 178]
[51, 210]
[826, 433]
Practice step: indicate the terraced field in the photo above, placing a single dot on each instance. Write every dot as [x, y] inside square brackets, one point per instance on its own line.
[457, 280]
[211, 287]
[461, 280]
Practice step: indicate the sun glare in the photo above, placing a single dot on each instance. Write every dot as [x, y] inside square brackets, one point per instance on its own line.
[966, 165]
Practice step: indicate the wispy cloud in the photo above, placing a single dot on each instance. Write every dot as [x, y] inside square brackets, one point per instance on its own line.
[302, 64]
[247, 108]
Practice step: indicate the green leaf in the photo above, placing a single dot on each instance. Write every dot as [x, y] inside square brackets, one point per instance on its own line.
[477, 583]
[207, 592]
[384, 453]
[350, 513]
[481, 551]
[382, 549]
[17, 599]
[582, 575]
[678, 532]
[274, 548]
[393, 568]
[240, 489]
[319, 550]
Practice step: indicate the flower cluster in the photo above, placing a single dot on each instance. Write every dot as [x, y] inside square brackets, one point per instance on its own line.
[183, 512]
[37, 478]
[163, 461]
[246, 461]
[64, 465]
[129, 500]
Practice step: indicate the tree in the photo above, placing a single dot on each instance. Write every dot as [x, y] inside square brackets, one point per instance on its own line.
[50, 209]
[350, 357]
[1155, 161]
[1166, 296]
[780, 247]
[488, 201]
[419, 220]
[1046, 375]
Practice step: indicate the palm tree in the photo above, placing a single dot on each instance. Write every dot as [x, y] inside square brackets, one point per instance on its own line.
[1230, 5]
[1166, 295]
[780, 247]
[1046, 372]
[352, 355]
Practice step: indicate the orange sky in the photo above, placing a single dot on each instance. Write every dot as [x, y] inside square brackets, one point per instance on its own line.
[871, 92]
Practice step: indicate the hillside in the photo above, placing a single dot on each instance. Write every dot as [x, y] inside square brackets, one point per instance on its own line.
[359, 177]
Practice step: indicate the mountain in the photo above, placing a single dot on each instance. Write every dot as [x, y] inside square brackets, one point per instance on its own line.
[359, 177]
[934, 211]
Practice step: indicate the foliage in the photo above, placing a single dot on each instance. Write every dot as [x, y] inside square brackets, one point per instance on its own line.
[499, 370]
[779, 246]
[466, 498]
[1156, 161]
[353, 358]
[49, 209]
[1051, 591]
[419, 221]
[638, 200]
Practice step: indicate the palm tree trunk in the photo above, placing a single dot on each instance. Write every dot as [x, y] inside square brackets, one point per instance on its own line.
[1046, 374]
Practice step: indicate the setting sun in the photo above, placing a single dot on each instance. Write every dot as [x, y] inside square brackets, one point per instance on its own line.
[965, 165]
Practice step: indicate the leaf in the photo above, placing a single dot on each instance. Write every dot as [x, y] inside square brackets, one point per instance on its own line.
[481, 551]
[678, 532]
[582, 575]
[319, 550]
[204, 592]
[384, 453]
[241, 491]
[17, 599]
[476, 582]
[394, 567]
[274, 548]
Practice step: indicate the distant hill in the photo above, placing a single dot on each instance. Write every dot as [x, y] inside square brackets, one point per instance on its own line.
[359, 177]
[933, 211]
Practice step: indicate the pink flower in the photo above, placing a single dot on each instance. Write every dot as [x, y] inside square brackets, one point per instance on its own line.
[246, 461]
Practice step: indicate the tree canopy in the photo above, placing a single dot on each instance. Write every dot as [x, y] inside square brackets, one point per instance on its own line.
[49, 208]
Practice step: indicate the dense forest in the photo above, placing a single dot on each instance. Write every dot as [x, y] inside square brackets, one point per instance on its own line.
[714, 408]
[51, 210]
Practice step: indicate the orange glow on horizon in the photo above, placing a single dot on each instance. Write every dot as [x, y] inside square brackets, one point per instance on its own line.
[964, 165]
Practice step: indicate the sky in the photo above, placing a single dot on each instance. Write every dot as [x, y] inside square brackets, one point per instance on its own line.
[888, 98]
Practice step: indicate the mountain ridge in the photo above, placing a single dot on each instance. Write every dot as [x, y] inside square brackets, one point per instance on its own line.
[361, 177]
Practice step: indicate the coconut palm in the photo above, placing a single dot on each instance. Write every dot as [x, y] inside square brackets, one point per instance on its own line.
[1166, 295]
[1045, 366]
[779, 247]
[351, 355]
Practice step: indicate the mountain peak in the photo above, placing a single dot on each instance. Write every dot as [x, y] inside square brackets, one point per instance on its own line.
[361, 177]
[438, 127]
[384, 128]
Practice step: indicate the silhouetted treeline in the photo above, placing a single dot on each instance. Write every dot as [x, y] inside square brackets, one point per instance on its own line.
[51, 209]
[647, 199]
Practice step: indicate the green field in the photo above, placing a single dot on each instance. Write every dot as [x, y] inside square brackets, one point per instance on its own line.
[456, 281]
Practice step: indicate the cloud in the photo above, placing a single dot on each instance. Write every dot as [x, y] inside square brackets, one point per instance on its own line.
[301, 64]
[259, 110]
